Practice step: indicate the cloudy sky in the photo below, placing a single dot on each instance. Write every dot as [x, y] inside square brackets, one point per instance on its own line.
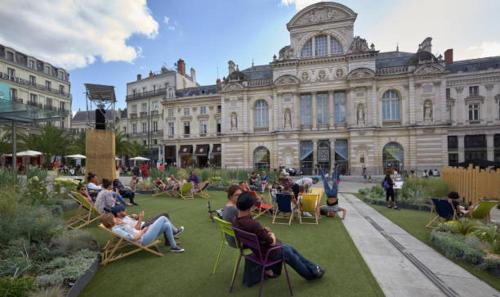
[110, 41]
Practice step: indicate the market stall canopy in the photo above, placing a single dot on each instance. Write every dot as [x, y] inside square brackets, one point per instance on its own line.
[139, 159]
[77, 156]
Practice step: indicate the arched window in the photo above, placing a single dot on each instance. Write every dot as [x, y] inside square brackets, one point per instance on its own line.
[261, 158]
[393, 156]
[335, 46]
[261, 114]
[391, 106]
[307, 49]
[320, 45]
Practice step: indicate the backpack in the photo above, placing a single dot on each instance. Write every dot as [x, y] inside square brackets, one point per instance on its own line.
[385, 185]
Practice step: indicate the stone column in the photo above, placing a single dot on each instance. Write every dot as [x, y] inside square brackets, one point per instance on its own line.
[276, 113]
[331, 114]
[461, 153]
[314, 112]
[490, 148]
[461, 114]
[411, 103]
[332, 154]
[375, 118]
[245, 124]
[315, 155]
[313, 47]
[296, 109]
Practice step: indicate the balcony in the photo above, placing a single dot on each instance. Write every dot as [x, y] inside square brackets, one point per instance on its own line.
[28, 83]
[141, 95]
[143, 114]
[187, 135]
[133, 115]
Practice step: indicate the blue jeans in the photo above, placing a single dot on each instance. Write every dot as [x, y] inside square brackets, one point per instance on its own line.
[301, 265]
[161, 225]
[330, 191]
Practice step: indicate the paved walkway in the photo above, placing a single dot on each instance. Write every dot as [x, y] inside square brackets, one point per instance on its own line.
[403, 265]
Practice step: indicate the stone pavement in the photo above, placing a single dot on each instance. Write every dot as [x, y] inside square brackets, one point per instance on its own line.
[401, 264]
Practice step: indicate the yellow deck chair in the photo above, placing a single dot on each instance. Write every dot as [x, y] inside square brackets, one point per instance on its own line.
[309, 203]
[119, 247]
[85, 215]
[319, 191]
[185, 191]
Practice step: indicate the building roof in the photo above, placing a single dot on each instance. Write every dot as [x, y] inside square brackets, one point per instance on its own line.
[393, 59]
[474, 64]
[197, 91]
[81, 116]
[258, 72]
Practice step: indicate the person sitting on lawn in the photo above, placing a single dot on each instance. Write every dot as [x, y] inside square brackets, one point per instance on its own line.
[105, 199]
[173, 184]
[137, 222]
[332, 202]
[143, 236]
[454, 199]
[245, 188]
[124, 192]
[264, 181]
[267, 239]
[254, 181]
[160, 184]
[83, 191]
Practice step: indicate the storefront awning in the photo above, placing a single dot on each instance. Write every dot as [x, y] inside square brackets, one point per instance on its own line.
[186, 150]
[216, 149]
[202, 150]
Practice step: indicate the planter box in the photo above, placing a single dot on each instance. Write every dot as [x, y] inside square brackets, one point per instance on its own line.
[84, 280]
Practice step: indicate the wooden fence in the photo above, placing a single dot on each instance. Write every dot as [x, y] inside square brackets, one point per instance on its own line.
[473, 184]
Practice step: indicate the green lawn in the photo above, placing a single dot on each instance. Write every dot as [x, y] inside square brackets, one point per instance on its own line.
[414, 221]
[189, 274]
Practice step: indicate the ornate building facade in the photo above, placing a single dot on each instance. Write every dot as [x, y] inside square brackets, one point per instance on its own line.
[330, 97]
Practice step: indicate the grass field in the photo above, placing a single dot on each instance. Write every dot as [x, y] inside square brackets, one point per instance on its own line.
[189, 274]
[414, 221]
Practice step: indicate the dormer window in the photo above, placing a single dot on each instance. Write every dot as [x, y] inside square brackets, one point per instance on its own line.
[320, 46]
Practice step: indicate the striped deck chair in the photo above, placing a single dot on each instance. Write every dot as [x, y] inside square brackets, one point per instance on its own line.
[185, 191]
[85, 215]
[309, 203]
[119, 247]
[203, 193]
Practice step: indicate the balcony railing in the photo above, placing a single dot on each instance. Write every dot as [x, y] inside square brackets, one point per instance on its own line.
[143, 114]
[158, 92]
[28, 83]
[133, 115]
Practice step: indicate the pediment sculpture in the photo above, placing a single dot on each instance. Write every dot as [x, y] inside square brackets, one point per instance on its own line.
[358, 45]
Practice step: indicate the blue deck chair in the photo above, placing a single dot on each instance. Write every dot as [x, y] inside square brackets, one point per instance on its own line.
[441, 209]
[284, 205]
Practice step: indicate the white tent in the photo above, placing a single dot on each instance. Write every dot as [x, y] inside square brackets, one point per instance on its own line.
[77, 156]
[139, 159]
[28, 153]
[117, 159]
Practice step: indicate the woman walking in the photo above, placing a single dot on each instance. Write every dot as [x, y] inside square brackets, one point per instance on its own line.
[388, 185]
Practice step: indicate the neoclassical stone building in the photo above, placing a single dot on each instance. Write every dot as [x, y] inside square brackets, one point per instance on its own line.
[330, 97]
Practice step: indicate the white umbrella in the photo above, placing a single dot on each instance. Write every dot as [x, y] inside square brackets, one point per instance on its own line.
[77, 156]
[117, 159]
[28, 153]
[139, 159]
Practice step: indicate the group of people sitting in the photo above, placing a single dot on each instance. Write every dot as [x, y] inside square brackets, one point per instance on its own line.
[174, 185]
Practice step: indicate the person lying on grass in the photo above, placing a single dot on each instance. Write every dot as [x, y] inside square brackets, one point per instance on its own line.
[143, 235]
[267, 239]
[332, 202]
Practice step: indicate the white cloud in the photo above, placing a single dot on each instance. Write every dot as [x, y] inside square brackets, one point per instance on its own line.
[299, 4]
[171, 28]
[166, 19]
[485, 49]
[73, 34]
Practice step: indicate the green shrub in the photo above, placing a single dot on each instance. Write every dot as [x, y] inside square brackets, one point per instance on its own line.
[70, 242]
[49, 292]
[464, 226]
[419, 190]
[491, 235]
[492, 265]
[155, 173]
[146, 185]
[15, 287]
[8, 179]
[55, 272]
[454, 246]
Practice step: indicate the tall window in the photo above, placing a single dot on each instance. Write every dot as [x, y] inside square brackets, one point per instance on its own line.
[305, 111]
[203, 110]
[144, 127]
[11, 72]
[322, 109]
[320, 46]
[474, 112]
[13, 93]
[496, 144]
[187, 128]
[134, 108]
[475, 147]
[307, 49]
[170, 112]
[155, 105]
[134, 128]
[340, 102]
[61, 89]
[474, 91]
[335, 46]
[48, 102]
[33, 98]
[32, 80]
[219, 126]
[171, 130]
[144, 107]
[448, 93]
[186, 111]
[261, 114]
[203, 128]
[452, 150]
[391, 106]
[155, 126]
[48, 85]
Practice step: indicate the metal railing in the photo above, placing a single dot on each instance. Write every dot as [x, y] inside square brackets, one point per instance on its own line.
[28, 83]
[140, 95]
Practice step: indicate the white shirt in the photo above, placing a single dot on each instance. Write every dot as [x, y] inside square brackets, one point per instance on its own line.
[305, 181]
[130, 221]
[94, 187]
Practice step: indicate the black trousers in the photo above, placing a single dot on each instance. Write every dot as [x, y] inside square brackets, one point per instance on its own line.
[389, 193]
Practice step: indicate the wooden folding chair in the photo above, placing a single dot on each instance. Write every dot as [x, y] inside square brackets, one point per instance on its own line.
[309, 203]
[284, 205]
[119, 247]
[203, 191]
[261, 207]
[441, 209]
[319, 191]
[185, 191]
[85, 215]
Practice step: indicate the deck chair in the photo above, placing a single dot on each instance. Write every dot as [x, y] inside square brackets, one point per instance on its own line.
[482, 210]
[261, 207]
[119, 247]
[319, 191]
[203, 191]
[309, 203]
[185, 191]
[85, 215]
[160, 192]
[441, 210]
[228, 238]
[284, 205]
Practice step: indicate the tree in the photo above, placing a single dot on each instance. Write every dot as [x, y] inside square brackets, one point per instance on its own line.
[51, 141]
[136, 149]
[122, 145]
[77, 145]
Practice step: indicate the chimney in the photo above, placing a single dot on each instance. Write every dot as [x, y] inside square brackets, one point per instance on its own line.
[448, 56]
[150, 74]
[139, 76]
[181, 67]
[193, 74]
[218, 83]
